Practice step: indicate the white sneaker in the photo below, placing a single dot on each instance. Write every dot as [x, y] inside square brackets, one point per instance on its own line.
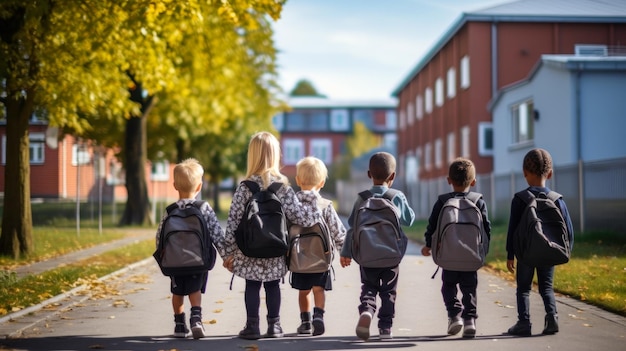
[454, 325]
[363, 326]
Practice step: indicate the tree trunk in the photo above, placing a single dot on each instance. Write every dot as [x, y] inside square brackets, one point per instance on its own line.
[137, 209]
[16, 238]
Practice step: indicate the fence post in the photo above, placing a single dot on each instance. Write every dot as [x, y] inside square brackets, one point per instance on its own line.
[581, 195]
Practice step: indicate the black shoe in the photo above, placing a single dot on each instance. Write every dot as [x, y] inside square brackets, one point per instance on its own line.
[180, 329]
[318, 321]
[251, 331]
[520, 329]
[551, 325]
[274, 330]
[469, 328]
[305, 328]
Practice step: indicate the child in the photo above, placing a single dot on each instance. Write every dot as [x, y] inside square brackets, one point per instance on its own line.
[188, 182]
[311, 176]
[462, 176]
[377, 281]
[537, 169]
[264, 168]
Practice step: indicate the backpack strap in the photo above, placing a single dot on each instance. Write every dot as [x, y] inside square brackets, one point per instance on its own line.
[171, 207]
[525, 195]
[365, 194]
[252, 186]
[390, 194]
[474, 197]
[553, 195]
[274, 187]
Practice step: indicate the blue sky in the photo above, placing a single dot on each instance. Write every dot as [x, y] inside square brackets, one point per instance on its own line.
[360, 49]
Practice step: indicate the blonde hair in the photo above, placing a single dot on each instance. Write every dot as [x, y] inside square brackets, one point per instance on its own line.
[187, 175]
[311, 171]
[264, 158]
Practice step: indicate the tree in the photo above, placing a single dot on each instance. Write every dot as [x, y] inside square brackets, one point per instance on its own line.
[305, 88]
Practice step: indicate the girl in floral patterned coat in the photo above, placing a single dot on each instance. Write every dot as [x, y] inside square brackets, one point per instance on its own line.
[263, 168]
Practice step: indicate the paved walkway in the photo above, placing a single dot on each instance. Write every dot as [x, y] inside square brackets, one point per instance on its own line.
[131, 310]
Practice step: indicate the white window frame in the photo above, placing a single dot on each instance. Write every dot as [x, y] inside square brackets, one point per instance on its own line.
[428, 97]
[390, 140]
[451, 147]
[391, 120]
[427, 156]
[485, 131]
[465, 141]
[438, 153]
[322, 148]
[80, 154]
[37, 148]
[293, 151]
[402, 119]
[439, 92]
[339, 120]
[160, 171]
[410, 113]
[451, 83]
[522, 122]
[465, 72]
[419, 107]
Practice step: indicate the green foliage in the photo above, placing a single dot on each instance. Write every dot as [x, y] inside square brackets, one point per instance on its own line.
[304, 87]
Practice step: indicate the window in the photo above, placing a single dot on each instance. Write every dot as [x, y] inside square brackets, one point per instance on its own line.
[402, 119]
[439, 92]
[465, 72]
[322, 149]
[364, 116]
[428, 96]
[295, 122]
[278, 121]
[465, 142]
[293, 151]
[451, 147]
[438, 153]
[451, 82]
[160, 171]
[391, 120]
[339, 121]
[37, 147]
[485, 139]
[390, 140]
[419, 107]
[427, 156]
[317, 121]
[410, 115]
[522, 122]
[306, 120]
[80, 155]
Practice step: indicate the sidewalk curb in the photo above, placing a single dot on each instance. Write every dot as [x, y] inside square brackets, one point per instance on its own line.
[68, 294]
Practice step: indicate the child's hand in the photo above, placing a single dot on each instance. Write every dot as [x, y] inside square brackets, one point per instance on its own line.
[228, 263]
[345, 261]
[425, 251]
[510, 265]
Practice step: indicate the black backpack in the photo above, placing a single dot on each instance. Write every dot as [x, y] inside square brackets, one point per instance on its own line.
[460, 242]
[378, 240]
[311, 248]
[541, 237]
[185, 246]
[262, 232]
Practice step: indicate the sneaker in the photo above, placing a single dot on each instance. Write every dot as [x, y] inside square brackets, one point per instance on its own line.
[454, 325]
[363, 326]
[520, 329]
[181, 331]
[305, 328]
[318, 326]
[385, 334]
[197, 328]
[551, 325]
[469, 328]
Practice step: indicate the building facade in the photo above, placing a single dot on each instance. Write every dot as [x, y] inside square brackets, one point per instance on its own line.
[443, 102]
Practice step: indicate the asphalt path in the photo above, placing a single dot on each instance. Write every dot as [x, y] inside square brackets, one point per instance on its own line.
[131, 310]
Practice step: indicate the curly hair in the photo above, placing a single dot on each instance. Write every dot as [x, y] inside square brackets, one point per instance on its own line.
[538, 162]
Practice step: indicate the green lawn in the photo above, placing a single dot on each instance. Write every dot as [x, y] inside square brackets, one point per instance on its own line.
[595, 273]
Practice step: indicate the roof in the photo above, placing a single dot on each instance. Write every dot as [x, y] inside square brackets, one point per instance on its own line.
[573, 11]
[322, 102]
[569, 62]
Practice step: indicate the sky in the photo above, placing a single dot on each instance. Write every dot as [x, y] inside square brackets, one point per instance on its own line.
[360, 49]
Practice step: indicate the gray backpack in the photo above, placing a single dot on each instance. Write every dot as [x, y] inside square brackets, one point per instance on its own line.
[311, 249]
[378, 240]
[460, 242]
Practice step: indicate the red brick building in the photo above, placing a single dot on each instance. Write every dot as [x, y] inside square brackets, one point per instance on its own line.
[442, 102]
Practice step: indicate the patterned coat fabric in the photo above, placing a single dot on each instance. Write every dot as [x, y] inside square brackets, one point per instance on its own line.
[265, 269]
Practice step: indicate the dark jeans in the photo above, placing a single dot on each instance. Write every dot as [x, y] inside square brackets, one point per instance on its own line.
[253, 298]
[545, 276]
[467, 283]
[382, 282]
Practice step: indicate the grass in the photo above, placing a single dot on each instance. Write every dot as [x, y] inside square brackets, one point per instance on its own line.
[595, 273]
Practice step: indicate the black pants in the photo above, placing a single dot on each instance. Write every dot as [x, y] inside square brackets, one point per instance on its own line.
[253, 298]
[467, 283]
[382, 282]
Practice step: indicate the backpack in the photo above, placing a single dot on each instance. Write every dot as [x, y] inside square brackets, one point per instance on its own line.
[460, 242]
[185, 245]
[262, 232]
[541, 237]
[311, 248]
[378, 240]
